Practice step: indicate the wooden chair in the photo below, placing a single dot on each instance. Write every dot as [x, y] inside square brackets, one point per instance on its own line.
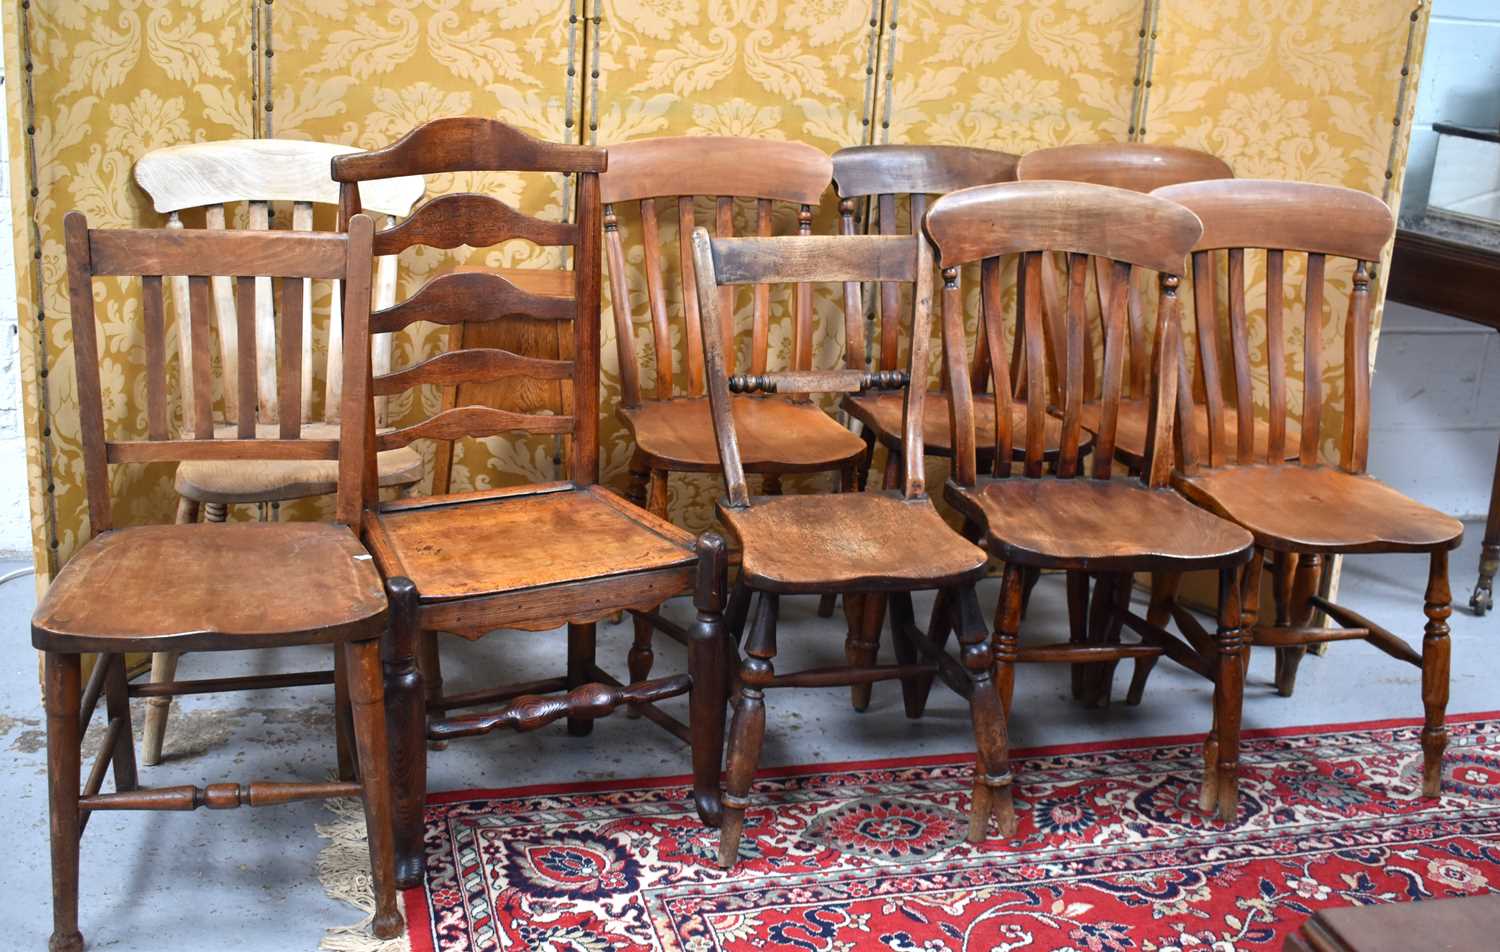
[109, 598]
[1105, 527]
[204, 178]
[671, 426]
[527, 557]
[887, 177]
[1139, 167]
[871, 545]
[1302, 510]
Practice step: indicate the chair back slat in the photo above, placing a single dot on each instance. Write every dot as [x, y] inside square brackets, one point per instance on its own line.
[470, 297]
[802, 303]
[760, 320]
[1320, 222]
[203, 369]
[1239, 342]
[1312, 358]
[1170, 372]
[619, 304]
[259, 172]
[692, 326]
[1038, 220]
[1275, 358]
[1074, 383]
[194, 256]
[1118, 280]
[473, 298]
[154, 327]
[991, 324]
[727, 262]
[656, 297]
[214, 217]
[890, 295]
[960, 396]
[245, 349]
[724, 169]
[1205, 298]
[291, 378]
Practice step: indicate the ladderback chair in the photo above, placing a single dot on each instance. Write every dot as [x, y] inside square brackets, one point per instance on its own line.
[1301, 509]
[109, 598]
[1140, 167]
[1059, 517]
[207, 178]
[670, 422]
[873, 545]
[530, 557]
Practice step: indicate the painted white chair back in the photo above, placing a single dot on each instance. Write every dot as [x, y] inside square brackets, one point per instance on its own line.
[211, 175]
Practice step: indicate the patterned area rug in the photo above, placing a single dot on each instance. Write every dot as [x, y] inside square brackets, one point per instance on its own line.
[1112, 853]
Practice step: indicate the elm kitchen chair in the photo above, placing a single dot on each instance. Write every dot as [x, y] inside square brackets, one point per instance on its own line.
[109, 597]
[877, 544]
[206, 178]
[1302, 509]
[1033, 518]
[530, 557]
[670, 424]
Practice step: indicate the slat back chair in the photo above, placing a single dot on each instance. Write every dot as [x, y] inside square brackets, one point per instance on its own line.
[1300, 510]
[1140, 167]
[874, 545]
[528, 557]
[109, 597]
[893, 178]
[259, 172]
[1035, 515]
[670, 424]
[208, 178]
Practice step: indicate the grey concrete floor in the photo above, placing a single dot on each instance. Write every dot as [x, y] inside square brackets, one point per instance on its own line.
[247, 879]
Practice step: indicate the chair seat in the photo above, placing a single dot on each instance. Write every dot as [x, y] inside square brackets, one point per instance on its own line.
[523, 540]
[849, 542]
[1098, 524]
[246, 481]
[882, 413]
[775, 435]
[1135, 415]
[213, 587]
[1321, 509]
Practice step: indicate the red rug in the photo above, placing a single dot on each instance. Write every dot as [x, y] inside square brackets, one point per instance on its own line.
[1112, 853]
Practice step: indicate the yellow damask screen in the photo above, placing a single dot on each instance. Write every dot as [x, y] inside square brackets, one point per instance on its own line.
[1319, 91]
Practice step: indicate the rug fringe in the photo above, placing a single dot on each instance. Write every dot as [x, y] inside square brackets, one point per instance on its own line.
[344, 871]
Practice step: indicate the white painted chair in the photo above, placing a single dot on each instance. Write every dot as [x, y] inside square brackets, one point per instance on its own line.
[210, 176]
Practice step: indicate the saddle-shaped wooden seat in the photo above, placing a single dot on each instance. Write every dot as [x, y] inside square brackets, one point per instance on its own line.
[776, 435]
[273, 480]
[1130, 437]
[881, 412]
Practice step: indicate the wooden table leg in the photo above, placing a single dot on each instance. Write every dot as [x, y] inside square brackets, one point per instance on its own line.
[1483, 598]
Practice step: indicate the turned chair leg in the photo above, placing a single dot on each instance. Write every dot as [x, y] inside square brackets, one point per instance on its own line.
[1304, 587]
[582, 641]
[862, 473]
[343, 719]
[117, 708]
[939, 628]
[1078, 627]
[406, 729]
[1229, 694]
[1158, 612]
[709, 651]
[63, 675]
[648, 489]
[1435, 662]
[431, 662]
[1008, 633]
[163, 668]
[993, 782]
[865, 614]
[367, 698]
[903, 620]
[747, 730]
